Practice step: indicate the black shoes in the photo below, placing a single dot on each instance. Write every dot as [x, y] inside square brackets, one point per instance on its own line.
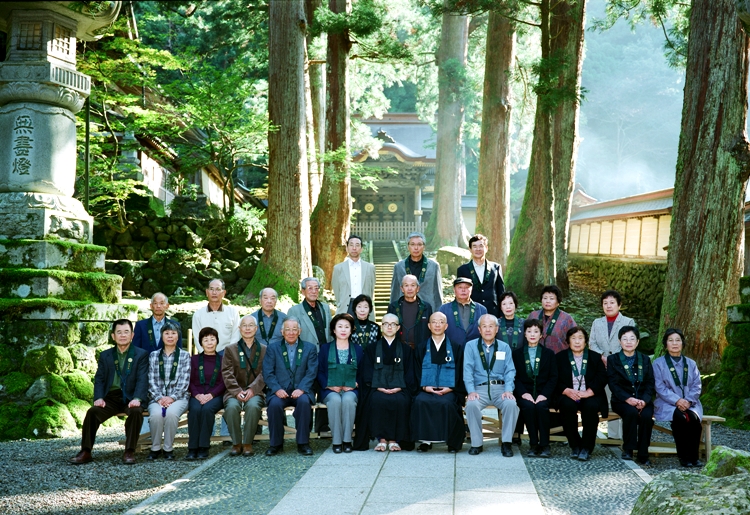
[168, 455]
[574, 453]
[697, 463]
[546, 452]
[337, 449]
[273, 450]
[627, 455]
[348, 447]
[424, 447]
[304, 449]
[584, 455]
[153, 455]
[202, 453]
[686, 464]
[476, 450]
[192, 454]
[643, 459]
[507, 450]
[534, 451]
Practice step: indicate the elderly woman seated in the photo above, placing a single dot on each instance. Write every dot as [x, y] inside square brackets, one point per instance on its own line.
[339, 374]
[678, 389]
[206, 391]
[581, 378]
[536, 379]
[631, 379]
[242, 368]
[168, 382]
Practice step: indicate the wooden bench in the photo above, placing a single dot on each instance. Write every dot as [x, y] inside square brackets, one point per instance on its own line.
[492, 428]
[145, 441]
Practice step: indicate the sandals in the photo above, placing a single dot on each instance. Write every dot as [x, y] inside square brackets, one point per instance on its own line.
[394, 447]
[380, 447]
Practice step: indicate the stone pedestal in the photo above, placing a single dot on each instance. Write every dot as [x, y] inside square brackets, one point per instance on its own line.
[56, 302]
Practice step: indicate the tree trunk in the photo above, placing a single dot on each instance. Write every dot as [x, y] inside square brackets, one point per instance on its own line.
[567, 24]
[317, 101]
[446, 226]
[493, 201]
[705, 244]
[330, 220]
[531, 262]
[286, 258]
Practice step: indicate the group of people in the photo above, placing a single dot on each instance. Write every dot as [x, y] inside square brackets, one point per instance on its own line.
[404, 384]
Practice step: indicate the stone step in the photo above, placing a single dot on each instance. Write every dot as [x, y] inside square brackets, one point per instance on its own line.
[29, 283]
[738, 313]
[52, 254]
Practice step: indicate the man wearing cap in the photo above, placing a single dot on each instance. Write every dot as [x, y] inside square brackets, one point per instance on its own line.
[486, 275]
[463, 313]
[489, 377]
[148, 332]
[120, 384]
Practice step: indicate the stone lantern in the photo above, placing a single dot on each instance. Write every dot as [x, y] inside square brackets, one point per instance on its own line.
[56, 301]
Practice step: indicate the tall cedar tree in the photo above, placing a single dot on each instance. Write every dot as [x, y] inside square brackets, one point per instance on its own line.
[446, 225]
[713, 163]
[286, 257]
[317, 99]
[493, 200]
[330, 220]
[567, 26]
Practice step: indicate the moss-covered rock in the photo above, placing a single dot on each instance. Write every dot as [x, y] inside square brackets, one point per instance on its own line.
[24, 333]
[50, 419]
[16, 383]
[80, 286]
[50, 359]
[740, 385]
[738, 335]
[726, 461]
[95, 333]
[79, 384]
[745, 290]
[738, 313]
[58, 389]
[687, 493]
[10, 359]
[84, 358]
[78, 409]
[101, 348]
[13, 419]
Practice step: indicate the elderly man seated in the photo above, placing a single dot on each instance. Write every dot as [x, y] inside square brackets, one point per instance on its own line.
[489, 376]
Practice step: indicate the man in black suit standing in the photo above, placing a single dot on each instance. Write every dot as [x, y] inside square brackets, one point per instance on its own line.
[486, 275]
[120, 385]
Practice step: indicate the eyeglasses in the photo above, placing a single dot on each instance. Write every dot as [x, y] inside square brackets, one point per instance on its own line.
[390, 324]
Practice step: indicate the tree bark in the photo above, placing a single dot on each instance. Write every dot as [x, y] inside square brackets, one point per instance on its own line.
[330, 220]
[286, 257]
[493, 200]
[531, 263]
[567, 24]
[446, 226]
[705, 244]
[317, 101]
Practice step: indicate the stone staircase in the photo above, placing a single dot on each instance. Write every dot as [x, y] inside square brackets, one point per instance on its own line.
[384, 257]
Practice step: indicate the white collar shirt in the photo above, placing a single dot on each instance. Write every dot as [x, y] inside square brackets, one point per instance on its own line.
[355, 277]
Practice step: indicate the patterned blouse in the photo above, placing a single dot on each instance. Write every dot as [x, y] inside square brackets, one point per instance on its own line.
[366, 333]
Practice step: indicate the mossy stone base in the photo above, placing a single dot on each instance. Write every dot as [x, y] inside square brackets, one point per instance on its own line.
[26, 283]
[13, 419]
[52, 254]
[745, 290]
[60, 309]
[726, 461]
[16, 383]
[50, 419]
[78, 409]
[738, 313]
[51, 359]
[84, 359]
[79, 384]
[22, 334]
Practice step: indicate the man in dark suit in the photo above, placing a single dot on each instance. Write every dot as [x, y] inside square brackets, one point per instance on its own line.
[148, 332]
[463, 313]
[487, 276]
[289, 369]
[120, 385]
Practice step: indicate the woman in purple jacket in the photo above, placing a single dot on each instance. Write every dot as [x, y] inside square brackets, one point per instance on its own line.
[678, 390]
[206, 394]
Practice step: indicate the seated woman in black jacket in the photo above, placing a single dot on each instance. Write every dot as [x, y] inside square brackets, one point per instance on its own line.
[536, 378]
[631, 380]
[581, 378]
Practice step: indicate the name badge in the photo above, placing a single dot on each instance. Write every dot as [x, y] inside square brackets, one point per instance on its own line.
[377, 360]
[500, 354]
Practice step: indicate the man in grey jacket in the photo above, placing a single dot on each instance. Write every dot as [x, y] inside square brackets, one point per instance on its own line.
[313, 315]
[426, 270]
[353, 278]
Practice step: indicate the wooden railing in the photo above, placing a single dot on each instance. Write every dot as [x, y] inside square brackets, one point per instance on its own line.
[385, 231]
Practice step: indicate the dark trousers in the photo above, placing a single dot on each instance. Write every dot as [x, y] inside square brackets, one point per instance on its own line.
[536, 418]
[687, 435]
[589, 408]
[636, 426]
[114, 405]
[201, 419]
[277, 417]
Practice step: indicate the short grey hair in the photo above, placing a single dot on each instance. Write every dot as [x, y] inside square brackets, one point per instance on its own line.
[275, 293]
[488, 316]
[411, 277]
[416, 235]
[303, 282]
[291, 319]
[153, 297]
[223, 286]
[251, 317]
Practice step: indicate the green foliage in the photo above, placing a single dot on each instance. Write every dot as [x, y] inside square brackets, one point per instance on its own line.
[12, 421]
[246, 221]
[58, 389]
[16, 383]
[50, 420]
[78, 409]
[50, 359]
[79, 384]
